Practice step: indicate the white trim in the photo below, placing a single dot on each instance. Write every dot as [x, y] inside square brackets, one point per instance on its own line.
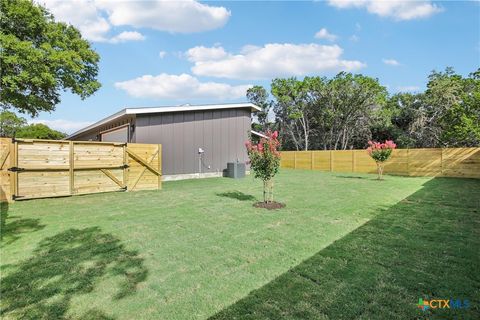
[187, 176]
[181, 108]
[259, 134]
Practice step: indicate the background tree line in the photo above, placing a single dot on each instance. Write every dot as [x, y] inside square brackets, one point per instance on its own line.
[12, 125]
[348, 110]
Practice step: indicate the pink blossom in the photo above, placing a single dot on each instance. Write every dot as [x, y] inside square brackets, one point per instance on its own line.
[260, 146]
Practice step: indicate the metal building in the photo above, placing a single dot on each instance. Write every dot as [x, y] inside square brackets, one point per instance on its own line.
[196, 140]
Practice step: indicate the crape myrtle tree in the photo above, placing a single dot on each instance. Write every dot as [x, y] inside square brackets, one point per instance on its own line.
[380, 152]
[40, 57]
[265, 161]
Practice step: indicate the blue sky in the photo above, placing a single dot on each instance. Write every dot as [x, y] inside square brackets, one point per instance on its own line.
[157, 53]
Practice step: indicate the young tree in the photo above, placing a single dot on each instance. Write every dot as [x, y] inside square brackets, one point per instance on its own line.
[39, 57]
[380, 152]
[265, 162]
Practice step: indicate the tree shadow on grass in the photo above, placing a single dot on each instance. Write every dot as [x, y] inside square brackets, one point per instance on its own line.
[355, 177]
[65, 265]
[12, 227]
[426, 246]
[237, 195]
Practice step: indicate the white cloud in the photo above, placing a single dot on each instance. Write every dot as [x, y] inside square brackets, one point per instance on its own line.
[180, 87]
[271, 60]
[162, 54]
[396, 9]
[408, 89]
[187, 16]
[67, 126]
[82, 14]
[201, 53]
[96, 18]
[324, 34]
[127, 36]
[391, 62]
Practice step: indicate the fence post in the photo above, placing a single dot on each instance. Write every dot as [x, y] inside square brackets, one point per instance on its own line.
[11, 174]
[159, 152]
[16, 165]
[408, 160]
[294, 159]
[312, 159]
[331, 160]
[71, 163]
[353, 161]
[441, 162]
[125, 165]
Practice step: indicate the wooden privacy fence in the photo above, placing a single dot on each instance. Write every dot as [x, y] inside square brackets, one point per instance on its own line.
[33, 168]
[446, 162]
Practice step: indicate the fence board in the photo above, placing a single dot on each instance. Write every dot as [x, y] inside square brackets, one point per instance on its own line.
[447, 162]
[6, 156]
[50, 168]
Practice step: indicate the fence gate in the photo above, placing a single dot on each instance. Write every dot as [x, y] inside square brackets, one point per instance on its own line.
[53, 168]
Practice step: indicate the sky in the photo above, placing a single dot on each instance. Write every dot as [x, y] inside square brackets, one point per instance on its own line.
[166, 53]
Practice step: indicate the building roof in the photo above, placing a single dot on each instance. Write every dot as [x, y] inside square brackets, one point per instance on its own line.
[185, 107]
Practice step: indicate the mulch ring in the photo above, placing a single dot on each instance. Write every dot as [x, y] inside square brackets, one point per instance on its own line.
[269, 205]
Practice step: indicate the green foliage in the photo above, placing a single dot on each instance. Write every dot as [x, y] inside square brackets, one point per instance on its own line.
[10, 123]
[348, 110]
[293, 112]
[321, 113]
[265, 161]
[39, 131]
[458, 99]
[41, 57]
[259, 97]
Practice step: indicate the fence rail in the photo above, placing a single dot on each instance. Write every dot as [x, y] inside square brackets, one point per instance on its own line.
[35, 168]
[443, 162]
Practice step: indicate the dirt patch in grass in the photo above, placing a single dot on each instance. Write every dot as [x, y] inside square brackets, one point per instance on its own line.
[269, 205]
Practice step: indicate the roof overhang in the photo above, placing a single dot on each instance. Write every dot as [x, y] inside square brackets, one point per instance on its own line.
[147, 110]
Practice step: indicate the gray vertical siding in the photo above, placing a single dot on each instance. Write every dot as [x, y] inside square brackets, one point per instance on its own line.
[221, 133]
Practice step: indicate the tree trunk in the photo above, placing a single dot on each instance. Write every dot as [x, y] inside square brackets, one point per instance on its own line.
[380, 170]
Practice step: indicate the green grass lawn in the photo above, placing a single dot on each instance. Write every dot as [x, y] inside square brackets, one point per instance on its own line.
[345, 247]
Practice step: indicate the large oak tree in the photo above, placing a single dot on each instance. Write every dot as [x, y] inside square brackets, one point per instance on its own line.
[40, 57]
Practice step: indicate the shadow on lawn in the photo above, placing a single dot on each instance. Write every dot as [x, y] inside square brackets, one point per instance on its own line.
[65, 265]
[355, 177]
[426, 246]
[12, 227]
[237, 195]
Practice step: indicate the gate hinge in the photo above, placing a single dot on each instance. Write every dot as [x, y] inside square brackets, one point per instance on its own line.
[16, 169]
[14, 197]
[125, 166]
